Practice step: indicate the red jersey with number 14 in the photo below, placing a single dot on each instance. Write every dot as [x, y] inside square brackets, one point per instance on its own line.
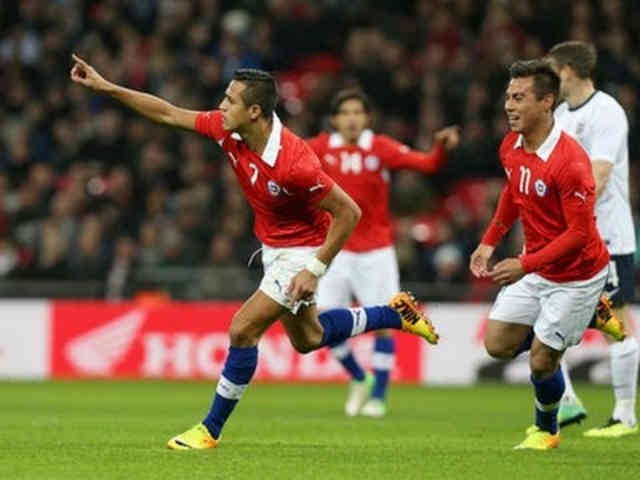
[552, 190]
[282, 185]
[362, 170]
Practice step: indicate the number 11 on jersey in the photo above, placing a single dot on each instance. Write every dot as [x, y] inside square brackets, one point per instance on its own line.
[525, 179]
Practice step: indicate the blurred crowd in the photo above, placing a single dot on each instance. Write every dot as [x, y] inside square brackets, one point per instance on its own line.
[89, 190]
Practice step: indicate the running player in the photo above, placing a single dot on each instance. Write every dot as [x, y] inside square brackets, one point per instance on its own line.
[302, 218]
[555, 285]
[600, 125]
[366, 269]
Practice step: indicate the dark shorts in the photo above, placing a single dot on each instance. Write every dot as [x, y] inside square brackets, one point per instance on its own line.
[620, 281]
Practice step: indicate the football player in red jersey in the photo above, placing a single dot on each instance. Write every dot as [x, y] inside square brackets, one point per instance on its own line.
[366, 268]
[550, 291]
[302, 219]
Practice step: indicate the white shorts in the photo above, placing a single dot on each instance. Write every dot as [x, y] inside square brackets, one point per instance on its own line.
[280, 266]
[558, 312]
[371, 278]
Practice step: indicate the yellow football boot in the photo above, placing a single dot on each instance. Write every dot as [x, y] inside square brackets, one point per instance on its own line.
[607, 322]
[413, 319]
[539, 440]
[196, 438]
[613, 429]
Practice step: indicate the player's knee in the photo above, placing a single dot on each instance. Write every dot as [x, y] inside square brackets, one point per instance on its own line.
[302, 345]
[496, 348]
[305, 344]
[241, 336]
[542, 365]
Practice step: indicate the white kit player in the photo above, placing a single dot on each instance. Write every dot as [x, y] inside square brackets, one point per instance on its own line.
[366, 269]
[600, 125]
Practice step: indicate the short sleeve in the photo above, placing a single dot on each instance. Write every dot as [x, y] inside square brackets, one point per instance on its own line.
[306, 179]
[210, 124]
[608, 135]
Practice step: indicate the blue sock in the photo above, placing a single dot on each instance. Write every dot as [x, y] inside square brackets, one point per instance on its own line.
[239, 367]
[342, 323]
[548, 394]
[383, 359]
[343, 353]
[526, 345]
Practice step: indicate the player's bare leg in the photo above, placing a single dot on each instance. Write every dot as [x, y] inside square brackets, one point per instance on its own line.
[503, 340]
[303, 328]
[248, 325]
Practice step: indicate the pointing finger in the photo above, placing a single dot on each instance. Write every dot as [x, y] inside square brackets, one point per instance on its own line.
[78, 60]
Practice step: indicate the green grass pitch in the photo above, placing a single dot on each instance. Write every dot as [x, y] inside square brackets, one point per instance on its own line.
[113, 430]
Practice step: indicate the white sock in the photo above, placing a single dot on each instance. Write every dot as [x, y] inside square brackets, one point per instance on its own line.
[624, 376]
[569, 395]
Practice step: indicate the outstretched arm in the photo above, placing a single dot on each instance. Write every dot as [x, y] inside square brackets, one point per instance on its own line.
[397, 155]
[150, 106]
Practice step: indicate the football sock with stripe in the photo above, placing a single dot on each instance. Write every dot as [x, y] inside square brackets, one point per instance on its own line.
[342, 323]
[382, 362]
[342, 352]
[548, 392]
[238, 369]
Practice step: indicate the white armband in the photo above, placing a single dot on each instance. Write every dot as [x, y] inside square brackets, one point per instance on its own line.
[316, 267]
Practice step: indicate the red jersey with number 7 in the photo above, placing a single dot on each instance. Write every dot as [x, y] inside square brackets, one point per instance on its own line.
[552, 190]
[282, 186]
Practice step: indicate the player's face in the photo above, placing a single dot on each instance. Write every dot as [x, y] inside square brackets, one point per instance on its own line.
[523, 109]
[234, 111]
[351, 119]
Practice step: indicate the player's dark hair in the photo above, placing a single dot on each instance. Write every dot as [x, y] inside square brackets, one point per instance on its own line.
[350, 94]
[580, 56]
[261, 89]
[545, 80]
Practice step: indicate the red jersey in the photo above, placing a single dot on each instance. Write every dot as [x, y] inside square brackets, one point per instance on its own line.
[553, 193]
[282, 186]
[362, 170]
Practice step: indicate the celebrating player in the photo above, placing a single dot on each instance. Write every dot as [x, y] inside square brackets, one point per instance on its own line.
[555, 285]
[290, 195]
[366, 268]
[600, 125]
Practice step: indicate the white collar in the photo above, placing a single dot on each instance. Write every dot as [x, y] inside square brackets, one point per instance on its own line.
[271, 150]
[270, 154]
[544, 151]
[365, 140]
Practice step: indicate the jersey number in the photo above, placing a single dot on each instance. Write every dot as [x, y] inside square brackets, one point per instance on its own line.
[254, 176]
[525, 179]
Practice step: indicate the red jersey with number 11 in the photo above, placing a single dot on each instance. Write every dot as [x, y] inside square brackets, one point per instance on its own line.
[552, 190]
